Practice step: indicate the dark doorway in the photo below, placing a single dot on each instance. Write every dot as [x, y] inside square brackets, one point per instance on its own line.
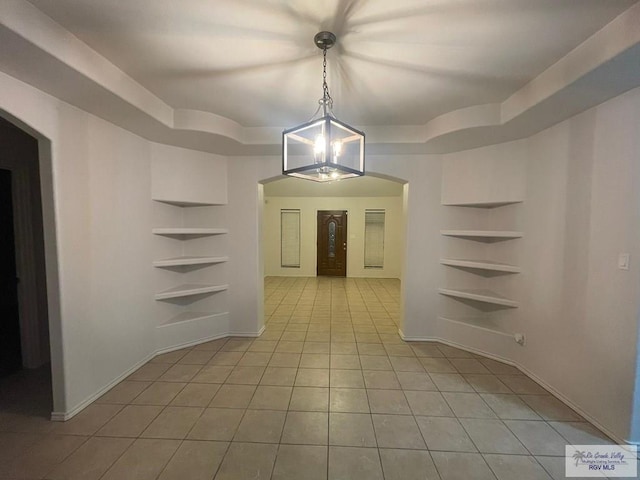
[332, 243]
[10, 350]
[24, 328]
[25, 371]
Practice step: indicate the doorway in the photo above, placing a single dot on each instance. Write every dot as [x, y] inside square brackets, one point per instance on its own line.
[357, 196]
[332, 243]
[10, 348]
[24, 320]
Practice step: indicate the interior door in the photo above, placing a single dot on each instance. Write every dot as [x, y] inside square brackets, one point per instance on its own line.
[332, 243]
[10, 350]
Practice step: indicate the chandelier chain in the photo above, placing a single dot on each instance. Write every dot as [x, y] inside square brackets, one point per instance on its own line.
[326, 96]
[323, 149]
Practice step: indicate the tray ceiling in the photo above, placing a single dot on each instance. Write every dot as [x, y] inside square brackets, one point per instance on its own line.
[226, 76]
[396, 63]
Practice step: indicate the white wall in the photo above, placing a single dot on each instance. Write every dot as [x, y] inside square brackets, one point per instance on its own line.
[98, 219]
[355, 206]
[190, 189]
[584, 207]
[420, 274]
[491, 175]
[102, 208]
[180, 174]
[246, 295]
[581, 208]
[568, 298]
[486, 174]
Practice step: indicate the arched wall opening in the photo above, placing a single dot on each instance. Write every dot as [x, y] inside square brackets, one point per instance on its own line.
[375, 192]
[37, 257]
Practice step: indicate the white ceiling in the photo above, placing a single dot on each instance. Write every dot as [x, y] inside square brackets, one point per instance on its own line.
[418, 76]
[397, 63]
[366, 186]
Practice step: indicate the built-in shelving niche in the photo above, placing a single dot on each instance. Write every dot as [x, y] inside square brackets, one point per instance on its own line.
[493, 204]
[186, 260]
[189, 290]
[190, 244]
[485, 236]
[474, 293]
[482, 267]
[192, 281]
[187, 203]
[188, 231]
[487, 297]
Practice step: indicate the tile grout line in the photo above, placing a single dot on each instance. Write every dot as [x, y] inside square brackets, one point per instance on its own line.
[342, 297]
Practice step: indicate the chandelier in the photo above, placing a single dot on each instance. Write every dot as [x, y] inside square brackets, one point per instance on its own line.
[323, 149]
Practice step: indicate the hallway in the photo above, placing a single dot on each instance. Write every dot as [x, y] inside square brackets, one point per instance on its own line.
[328, 391]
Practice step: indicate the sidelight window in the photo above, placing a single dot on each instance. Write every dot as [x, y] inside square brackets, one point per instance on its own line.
[374, 239]
[290, 238]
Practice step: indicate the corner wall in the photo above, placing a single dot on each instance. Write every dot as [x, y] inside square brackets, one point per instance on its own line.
[578, 310]
[584, 195]
[98, 216]
[246, 264]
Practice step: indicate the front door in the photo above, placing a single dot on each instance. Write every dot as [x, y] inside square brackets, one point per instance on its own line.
[332, 243]
[10, 350]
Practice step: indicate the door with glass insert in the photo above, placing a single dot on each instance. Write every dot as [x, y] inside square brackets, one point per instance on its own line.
[332, 243]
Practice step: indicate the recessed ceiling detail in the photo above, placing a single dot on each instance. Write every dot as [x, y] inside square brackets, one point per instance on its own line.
[418, 76]
[367, 186]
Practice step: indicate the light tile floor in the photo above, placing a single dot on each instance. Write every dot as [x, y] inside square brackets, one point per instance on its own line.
[328, 391]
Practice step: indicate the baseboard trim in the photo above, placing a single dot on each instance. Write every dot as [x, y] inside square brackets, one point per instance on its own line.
[529, 374]
[190, 344]
[573, 406]
[460, 346]
[246, 334]
[64, 416]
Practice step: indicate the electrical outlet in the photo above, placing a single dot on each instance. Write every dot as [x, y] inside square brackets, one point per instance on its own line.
[519, 338]
[623, 261]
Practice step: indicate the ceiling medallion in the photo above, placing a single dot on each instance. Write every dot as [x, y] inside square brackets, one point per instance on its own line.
[323, 149]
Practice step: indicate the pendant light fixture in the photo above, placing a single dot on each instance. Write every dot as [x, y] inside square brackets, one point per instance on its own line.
[324, 149]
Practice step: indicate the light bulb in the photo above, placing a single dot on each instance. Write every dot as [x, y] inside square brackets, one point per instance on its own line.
[335, 174]
[337, 148]
[318, 148]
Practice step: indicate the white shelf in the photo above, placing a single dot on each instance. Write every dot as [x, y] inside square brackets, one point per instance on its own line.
[479, 295]
[188, 260]
[482, 204]
[480, 265]
[188, 290]
[186, 203]
[189, 231]
[191, 316]
[488, 236]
